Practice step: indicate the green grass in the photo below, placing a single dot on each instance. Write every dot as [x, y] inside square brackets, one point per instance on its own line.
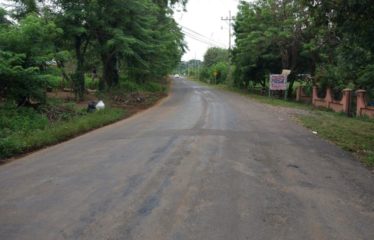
[36, 132]
[25, 129]
[277, 101]
[352, 134]
[132, 86]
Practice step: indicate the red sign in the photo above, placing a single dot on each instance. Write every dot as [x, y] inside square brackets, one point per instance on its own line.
[278, 82]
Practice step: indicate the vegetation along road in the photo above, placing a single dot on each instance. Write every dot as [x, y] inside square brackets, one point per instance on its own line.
[203, 164]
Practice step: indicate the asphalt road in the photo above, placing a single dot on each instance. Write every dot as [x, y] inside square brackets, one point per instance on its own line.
[203, 164]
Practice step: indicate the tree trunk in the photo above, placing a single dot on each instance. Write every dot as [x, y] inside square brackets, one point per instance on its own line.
[79, 71]
[110, 71]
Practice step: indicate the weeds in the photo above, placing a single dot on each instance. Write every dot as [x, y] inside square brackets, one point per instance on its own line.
[31, 130]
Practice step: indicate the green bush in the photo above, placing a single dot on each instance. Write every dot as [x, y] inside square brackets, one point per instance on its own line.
[52, 81]
[14, 120]
[131, 86]
[91, 83]
[18, 83]
[221, 71]
[24, 130]
[154, 87]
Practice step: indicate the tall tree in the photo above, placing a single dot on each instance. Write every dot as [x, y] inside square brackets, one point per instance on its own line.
[72, 16]
[270, 36]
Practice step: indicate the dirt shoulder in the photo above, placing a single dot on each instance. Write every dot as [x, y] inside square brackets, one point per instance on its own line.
[29, 130]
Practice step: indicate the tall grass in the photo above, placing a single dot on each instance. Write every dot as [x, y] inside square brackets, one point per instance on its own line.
[34, 132]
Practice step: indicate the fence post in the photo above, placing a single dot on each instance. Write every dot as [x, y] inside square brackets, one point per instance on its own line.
[315, 94]
[346, 99]
[328, 97]
[298, 93]
[361, 101]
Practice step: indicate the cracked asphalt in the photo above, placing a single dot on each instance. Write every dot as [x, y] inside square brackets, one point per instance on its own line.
[203, 164]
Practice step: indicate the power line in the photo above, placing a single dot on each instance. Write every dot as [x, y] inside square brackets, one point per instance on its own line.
[201, 36]
[202, 40]
[194, 32]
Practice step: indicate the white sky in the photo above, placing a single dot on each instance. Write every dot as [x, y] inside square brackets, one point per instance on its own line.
[204, 17]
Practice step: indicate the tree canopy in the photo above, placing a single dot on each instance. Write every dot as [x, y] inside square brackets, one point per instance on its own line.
[133, 39]
[330, 40]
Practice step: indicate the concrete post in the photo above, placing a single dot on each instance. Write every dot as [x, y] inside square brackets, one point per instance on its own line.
[346, 99]
[298, 93]
[328, 97]
[361, 101]
[315, 94]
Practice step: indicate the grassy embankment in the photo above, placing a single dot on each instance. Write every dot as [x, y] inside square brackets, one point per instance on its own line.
[352, 134]
[26, 129]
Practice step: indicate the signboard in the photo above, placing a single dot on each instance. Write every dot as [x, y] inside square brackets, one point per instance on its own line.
[286, 72]
[278, 82]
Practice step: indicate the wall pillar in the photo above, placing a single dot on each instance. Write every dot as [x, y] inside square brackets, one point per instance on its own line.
[328, 97]
[346, 99]
[361, 101]
[315, 94]
[298, 93]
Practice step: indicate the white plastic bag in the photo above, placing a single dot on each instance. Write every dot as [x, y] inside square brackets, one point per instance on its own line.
[100, 105]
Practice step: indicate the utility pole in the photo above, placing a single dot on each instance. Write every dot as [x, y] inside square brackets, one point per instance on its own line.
[230, 19]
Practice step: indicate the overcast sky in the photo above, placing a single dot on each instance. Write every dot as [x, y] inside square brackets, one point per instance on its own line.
[204, 18]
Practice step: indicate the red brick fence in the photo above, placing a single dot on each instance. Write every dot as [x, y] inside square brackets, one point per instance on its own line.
[342, 105]
[362, 107]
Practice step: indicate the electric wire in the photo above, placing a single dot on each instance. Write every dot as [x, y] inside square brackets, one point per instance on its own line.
[200, 37]
[210, 43]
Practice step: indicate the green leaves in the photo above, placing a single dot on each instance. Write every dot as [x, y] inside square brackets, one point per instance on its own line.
[33, 37]
[215, 55]
[138, 37]
[18, 82]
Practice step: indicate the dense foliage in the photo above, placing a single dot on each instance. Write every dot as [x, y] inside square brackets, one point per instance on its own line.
[216, 65]
[136, 39]
[330, 40]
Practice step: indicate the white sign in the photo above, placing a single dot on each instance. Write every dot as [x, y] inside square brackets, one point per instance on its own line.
[286, 72]
[278, 82]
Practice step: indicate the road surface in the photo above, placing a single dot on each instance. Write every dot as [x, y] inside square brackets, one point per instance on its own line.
[203, 164]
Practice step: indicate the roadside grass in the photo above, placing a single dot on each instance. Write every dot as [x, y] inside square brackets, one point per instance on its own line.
[352, 134]
[148, 86]
[36, 133]
[26, 129]
[268, 100]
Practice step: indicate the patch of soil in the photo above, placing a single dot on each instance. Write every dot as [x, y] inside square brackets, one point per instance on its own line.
[131, 102]
[56, 113]
[135, 102]
[66, 96]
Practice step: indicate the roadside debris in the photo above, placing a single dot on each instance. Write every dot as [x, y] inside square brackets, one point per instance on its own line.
[91, 106]
[100, 105]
